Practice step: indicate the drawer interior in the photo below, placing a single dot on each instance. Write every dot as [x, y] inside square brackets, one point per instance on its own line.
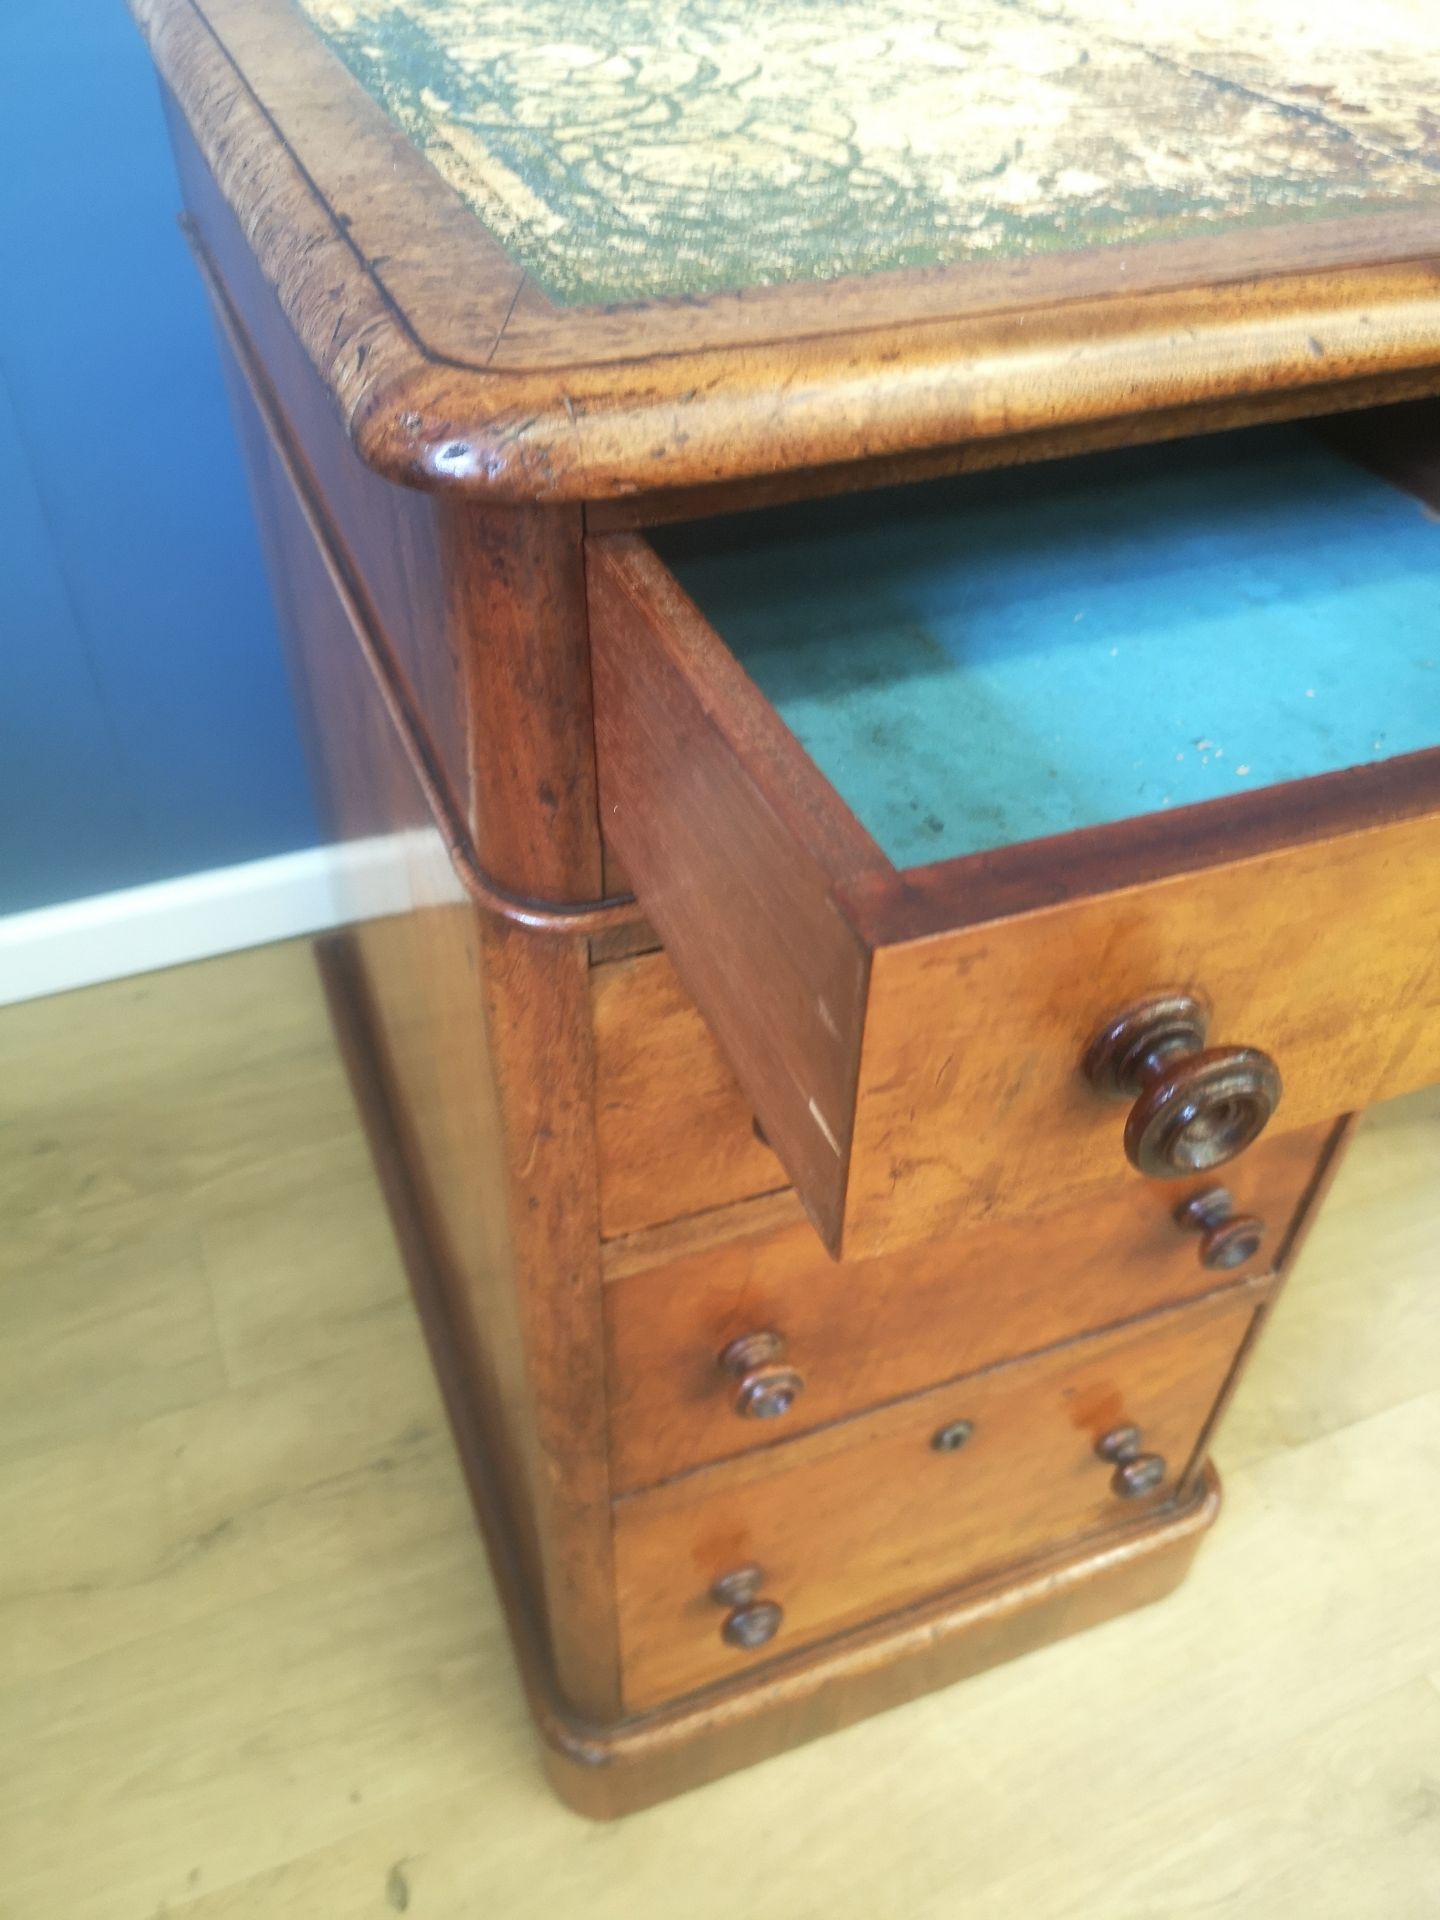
[922, 788]
[1031, 652]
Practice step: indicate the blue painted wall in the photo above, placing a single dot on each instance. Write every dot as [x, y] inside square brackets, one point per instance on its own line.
[145, 722]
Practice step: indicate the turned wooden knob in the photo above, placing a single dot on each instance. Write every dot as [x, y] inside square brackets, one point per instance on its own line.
[1195, 1106]
[750, 1622]
[764, 1388]
[1227, 1239]
[1136, 1473]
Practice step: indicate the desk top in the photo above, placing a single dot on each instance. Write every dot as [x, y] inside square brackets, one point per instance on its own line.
[627, 151]
[600, 246]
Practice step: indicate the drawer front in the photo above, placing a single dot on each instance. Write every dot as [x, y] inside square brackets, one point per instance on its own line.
[1322, 957]
[674, 1133]
[861, 1518]
[913, 1042]
[703, 1349]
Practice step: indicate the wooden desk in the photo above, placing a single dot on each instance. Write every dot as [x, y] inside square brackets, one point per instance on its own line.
[817, 1324]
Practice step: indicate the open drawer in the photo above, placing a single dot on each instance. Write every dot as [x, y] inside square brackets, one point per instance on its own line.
[1007, 826]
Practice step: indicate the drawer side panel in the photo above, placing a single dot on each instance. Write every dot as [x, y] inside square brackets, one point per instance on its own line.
[734, 845]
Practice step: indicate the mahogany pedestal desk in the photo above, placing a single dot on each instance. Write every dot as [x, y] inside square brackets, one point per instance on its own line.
[867, 568]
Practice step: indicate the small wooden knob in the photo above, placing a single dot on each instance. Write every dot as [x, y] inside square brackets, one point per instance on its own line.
[1136, 1474]
[1195, 1107]
[764, 1388]
[752, 1626]
[750, 1622]
[1227, 1239]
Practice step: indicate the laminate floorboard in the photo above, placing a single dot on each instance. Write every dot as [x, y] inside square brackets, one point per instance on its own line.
[251, 1663]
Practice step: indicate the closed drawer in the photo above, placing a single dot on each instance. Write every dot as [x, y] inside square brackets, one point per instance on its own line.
[858, 1519]
[1206, 678]
[703, 1349]
[674, 1133]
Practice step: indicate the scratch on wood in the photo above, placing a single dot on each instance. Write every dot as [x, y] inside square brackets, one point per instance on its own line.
[824, 1126]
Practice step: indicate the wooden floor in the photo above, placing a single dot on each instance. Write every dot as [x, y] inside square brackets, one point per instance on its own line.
[251, 1663]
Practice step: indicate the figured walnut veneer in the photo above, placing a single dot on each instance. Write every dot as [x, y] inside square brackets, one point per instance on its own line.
[487, 675]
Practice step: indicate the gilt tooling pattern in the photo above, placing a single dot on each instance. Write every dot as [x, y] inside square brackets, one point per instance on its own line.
[626, 150]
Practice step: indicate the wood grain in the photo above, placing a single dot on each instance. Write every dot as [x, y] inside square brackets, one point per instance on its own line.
[734, 845]
[865, 1516]
[499, 1158]
[613, 1769]
[516, 603]
[674, 1133]
[389, 536]
[293, 1508]
[1328, 1164]
[402, 344]
[1301, 911]
[1321, 955]
[732, 841]
[868, 1331]
[1327, 406]
[449, 370]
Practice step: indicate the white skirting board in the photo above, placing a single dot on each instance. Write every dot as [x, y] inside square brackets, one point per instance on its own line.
[139, 929]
